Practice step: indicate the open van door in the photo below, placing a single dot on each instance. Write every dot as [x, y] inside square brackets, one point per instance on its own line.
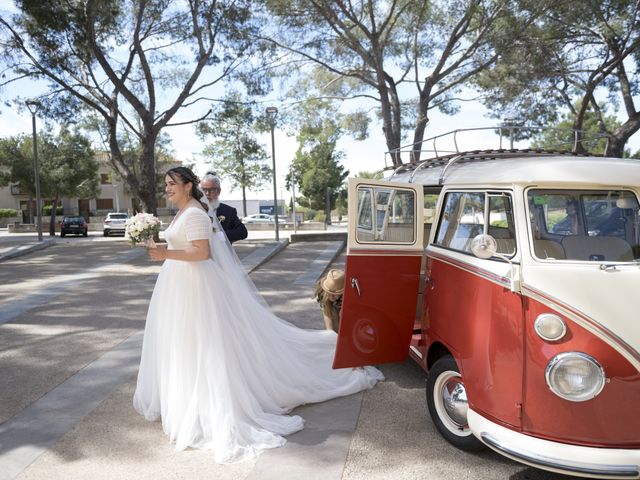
[382, 277]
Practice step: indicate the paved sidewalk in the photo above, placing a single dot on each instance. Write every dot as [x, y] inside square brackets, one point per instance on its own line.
[85, 427]
[12, 247]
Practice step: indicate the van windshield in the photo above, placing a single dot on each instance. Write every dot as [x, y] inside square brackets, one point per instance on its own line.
[594, 226]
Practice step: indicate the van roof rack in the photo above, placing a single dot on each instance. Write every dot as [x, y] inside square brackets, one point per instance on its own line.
[446, 161]
[512, 132]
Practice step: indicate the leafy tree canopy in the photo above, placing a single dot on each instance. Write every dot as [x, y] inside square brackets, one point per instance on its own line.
[316, 166]
[406, 56]
[577, 53]
[372, 175]
[67, 166]
[562, 135]
[136, 64]
[235, 153]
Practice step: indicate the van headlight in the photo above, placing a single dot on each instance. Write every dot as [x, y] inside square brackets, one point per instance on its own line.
[575, 376]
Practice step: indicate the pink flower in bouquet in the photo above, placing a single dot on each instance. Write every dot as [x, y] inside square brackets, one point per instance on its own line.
[141, 229]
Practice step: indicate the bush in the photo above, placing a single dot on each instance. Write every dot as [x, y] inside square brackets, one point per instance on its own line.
[46, 210]
[309, 214]
[8, 213]
[320, 217]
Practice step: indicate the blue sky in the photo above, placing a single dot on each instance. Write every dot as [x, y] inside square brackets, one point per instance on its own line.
[359, 155]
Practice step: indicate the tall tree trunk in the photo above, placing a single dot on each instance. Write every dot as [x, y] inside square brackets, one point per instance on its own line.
[117, 160]
[52, 219]
[30, 209]
[327, 207]
[244, 192]
[421, 122]
[391, 124]
[147, 189]
[619, 138]
[615, 147]
[244, 201]
[578, 124]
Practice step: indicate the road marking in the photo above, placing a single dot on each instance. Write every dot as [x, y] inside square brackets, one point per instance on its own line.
[310, 276]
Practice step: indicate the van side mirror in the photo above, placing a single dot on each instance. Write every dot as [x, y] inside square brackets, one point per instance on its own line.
[485, 246]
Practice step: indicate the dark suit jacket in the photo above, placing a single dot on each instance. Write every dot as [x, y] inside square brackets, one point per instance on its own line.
[232, 225]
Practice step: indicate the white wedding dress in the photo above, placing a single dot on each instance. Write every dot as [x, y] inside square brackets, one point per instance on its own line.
[218, 367]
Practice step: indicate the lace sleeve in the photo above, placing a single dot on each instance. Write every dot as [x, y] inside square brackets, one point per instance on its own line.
[197, 226]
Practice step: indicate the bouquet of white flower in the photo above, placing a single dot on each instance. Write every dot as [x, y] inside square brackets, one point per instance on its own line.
[141, 229]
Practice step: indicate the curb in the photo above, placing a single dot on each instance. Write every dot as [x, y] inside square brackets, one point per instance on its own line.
[28, 248]
[335, 254]
[318, 237]
[319, 266]
[262, 255]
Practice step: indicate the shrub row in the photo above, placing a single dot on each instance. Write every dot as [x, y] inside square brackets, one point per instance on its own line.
[8, 213]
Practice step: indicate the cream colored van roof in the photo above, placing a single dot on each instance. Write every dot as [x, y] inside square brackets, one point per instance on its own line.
[503, 169]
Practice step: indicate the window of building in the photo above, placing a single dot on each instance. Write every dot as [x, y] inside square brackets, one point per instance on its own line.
[105, 179]
[104, 203]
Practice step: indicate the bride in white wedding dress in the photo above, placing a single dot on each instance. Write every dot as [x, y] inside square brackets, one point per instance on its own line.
[218, 368]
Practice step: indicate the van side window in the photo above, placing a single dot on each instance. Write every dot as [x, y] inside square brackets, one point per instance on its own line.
[386, 215]
[585, 225]
[430, 203]
[365, 219]
[501, 225]
[463, 218]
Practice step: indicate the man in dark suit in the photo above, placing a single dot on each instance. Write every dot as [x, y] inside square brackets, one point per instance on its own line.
[227, 215]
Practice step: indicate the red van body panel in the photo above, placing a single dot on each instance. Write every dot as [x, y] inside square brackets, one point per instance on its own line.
[613, 416]
[483, 320]
[379, 310]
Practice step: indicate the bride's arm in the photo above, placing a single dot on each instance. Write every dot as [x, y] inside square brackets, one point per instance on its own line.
[199, 250]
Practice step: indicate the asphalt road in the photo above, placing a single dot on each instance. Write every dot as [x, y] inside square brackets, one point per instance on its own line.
[80, 304]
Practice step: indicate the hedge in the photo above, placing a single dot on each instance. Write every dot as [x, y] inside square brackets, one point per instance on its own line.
[8, 213]
[46, 210]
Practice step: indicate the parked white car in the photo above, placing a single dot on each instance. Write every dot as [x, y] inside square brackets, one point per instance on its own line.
[261, 218]
[114, 223]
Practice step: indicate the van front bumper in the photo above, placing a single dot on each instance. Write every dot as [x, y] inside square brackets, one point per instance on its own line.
[553, 456]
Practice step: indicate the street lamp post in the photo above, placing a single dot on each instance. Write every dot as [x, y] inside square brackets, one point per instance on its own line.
[293, 200]
[272, 113]
[33, 107]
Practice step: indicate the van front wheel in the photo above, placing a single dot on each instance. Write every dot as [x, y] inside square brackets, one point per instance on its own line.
[447, 402]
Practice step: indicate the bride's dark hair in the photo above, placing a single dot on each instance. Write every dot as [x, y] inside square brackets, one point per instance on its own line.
[185, 175]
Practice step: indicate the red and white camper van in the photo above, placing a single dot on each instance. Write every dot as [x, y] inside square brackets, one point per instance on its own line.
[513, 279]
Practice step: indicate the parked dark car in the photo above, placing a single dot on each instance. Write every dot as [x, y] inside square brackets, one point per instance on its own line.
[75, 225]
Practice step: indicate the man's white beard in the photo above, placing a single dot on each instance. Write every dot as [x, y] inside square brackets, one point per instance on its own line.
[214, 204]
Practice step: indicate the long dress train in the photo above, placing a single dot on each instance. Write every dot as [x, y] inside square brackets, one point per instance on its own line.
[218, 367]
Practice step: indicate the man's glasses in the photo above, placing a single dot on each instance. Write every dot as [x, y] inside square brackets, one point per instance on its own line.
[210, 190]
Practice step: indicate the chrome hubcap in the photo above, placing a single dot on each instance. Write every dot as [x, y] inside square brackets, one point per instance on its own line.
[451, 402]
[454, 397]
